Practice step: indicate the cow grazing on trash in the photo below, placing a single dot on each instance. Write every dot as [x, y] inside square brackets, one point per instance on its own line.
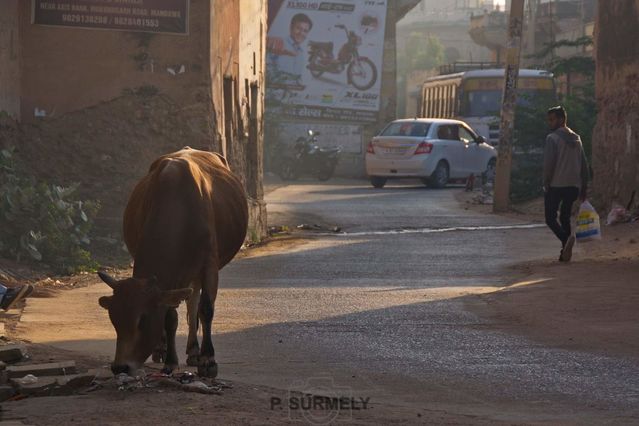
[184, 221]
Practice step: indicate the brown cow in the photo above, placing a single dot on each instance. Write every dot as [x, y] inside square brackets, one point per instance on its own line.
[185, 220]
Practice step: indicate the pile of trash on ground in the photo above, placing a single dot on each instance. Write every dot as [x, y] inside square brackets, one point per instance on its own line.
[186, 381]
[21, 378]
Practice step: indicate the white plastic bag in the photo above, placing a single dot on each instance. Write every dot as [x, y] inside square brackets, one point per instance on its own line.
[588, 225]
[618, 215]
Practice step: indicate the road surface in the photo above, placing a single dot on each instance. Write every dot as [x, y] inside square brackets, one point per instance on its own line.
[383, 310]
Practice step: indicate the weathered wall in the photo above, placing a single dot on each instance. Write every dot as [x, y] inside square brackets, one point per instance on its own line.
[9, 58]
[223, 56]
[616, 136]
[110, 102]
[253, 20]
[237, 87]
[66, 69]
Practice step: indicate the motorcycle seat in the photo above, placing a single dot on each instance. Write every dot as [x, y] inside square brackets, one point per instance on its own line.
[326, 45]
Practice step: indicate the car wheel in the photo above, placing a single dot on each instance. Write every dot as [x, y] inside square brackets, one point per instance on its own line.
[378, 182]
[440, 176]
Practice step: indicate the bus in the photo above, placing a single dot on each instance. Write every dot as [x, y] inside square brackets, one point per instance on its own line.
[475, 97]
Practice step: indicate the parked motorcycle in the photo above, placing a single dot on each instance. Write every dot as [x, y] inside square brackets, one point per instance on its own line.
[360, 70]
[309, 159]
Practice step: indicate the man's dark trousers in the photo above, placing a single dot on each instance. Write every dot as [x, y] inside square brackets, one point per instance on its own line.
[562, 199]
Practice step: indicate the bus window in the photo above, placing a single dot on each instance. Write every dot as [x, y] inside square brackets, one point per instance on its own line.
[425, 103]
[482, 104]
[446, 101]
[455, 101]
[482, 97]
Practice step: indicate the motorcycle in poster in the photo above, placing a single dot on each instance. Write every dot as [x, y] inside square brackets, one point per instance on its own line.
[324, 58]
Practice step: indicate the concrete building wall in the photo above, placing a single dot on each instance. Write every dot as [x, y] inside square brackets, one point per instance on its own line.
[616, 137]
[9, 58]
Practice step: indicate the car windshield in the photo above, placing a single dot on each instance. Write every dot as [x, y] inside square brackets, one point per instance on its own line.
[406, 128]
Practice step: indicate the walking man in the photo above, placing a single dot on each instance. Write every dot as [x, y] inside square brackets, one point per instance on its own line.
[565, 178]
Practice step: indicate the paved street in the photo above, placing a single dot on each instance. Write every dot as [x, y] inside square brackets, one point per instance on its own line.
[383, 310]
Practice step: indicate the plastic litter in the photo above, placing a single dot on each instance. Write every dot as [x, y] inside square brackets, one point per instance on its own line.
[198, 386]
[185, 381]
[186, 377]
[29, 379]
[618, 214]
[124, 378]
[588, 224]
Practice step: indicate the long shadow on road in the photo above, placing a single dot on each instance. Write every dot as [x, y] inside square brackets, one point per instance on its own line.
[430, 354]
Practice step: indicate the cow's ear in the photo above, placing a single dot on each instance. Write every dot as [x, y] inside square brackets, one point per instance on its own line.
[173, 298]
[105, 301]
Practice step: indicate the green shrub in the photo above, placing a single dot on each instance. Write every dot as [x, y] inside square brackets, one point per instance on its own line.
[43, 222]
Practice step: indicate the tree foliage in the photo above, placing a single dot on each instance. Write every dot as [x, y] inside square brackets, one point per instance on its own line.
[420, 54]
[530, 120]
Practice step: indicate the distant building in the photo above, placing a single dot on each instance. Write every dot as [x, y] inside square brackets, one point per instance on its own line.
[545, 22]
[447, 20]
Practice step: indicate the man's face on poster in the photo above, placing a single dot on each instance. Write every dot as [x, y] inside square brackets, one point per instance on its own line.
[299, 31]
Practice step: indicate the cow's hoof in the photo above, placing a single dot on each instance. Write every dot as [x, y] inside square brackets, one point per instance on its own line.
[168, 369]
[158, 356]
[207, 367]
[193, 361]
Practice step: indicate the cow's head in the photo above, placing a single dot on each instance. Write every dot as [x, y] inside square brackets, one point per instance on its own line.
[137, 310]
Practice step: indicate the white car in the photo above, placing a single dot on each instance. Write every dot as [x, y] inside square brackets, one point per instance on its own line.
[434, 150]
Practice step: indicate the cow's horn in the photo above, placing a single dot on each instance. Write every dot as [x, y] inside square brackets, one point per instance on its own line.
[108, 279]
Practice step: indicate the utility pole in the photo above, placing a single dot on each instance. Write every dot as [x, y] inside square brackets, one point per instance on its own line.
[509, 101]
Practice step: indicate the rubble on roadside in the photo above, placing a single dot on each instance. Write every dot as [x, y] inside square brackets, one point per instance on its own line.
[274, 231]
[482, 195]
[21, 378]
[186, 381]
[316, 227]
[619, 214]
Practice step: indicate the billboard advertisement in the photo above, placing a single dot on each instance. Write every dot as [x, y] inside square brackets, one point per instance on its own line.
[324, 59]
[156, 16]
